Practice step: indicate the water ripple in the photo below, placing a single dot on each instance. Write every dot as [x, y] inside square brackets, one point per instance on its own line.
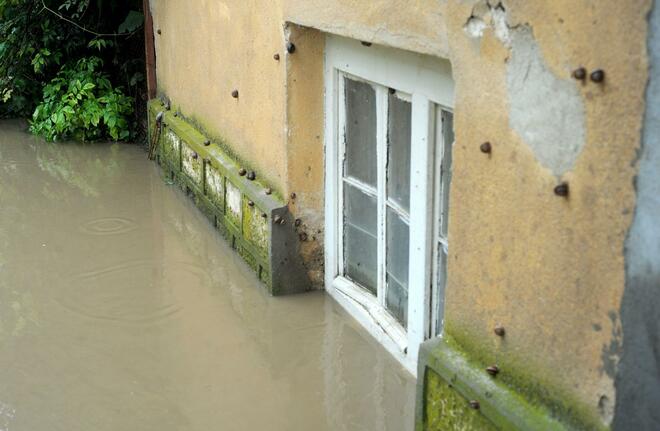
[138, 291]
[108, 226]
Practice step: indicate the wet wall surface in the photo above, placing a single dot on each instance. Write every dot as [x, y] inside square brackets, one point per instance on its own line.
[121, 308]
[638, 372]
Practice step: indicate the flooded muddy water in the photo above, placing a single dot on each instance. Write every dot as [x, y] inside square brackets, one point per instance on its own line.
[122, 309]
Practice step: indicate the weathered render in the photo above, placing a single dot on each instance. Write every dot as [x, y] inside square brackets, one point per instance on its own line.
[549, 269]
[637, 388]
[552, 270]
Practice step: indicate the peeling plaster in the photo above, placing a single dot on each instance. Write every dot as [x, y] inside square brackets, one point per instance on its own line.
[500, 26]
[547, 112]
[475, 27]
[485, 16]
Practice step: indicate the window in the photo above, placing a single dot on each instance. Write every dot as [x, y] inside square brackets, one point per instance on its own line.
[445, 135]
[388, 158]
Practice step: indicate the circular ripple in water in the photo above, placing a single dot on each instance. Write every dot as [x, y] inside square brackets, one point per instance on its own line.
[138, 291]
[108, 226]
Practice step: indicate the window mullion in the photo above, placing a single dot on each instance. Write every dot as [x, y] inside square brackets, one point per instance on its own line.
[437, 218]
[341, 153]
[381, 138]
[421, 222]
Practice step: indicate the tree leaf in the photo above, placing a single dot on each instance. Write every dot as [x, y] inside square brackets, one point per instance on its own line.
[133, 21]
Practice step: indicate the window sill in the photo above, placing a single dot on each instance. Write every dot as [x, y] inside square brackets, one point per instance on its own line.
[375, 318]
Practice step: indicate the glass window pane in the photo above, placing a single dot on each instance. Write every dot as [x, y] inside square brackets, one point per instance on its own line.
[398, 154]
[398, 236]
[360, 233]
[445, 179]
[440, 286]
[360, 157]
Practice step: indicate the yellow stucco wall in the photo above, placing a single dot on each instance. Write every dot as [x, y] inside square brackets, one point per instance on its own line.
[414, 25]
[208, 48]
[549, 269]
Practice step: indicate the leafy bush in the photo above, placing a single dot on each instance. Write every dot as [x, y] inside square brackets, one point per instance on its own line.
[80, 103]
[41, 42]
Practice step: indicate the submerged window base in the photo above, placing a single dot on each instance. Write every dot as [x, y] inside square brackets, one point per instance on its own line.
[366, 309]
[426, 84]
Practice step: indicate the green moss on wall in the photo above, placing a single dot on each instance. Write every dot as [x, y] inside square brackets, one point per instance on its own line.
[445, 410]
[241, 209]
[504, 407]
[171, 147]
[202, 128]
[255, 226]
[191, 164]
[537, 387]
[248, 257]
[215, 186]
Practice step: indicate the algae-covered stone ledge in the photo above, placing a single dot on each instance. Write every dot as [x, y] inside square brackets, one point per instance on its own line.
[456, 393]
[255, 221]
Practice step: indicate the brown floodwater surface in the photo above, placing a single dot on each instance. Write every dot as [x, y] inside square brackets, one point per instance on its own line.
[121, 308]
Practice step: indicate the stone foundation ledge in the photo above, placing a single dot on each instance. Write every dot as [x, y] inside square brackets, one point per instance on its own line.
[254, 220]
[455, 394]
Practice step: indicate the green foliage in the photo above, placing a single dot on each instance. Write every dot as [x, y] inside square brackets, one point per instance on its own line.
[99, 43]
[45, 46]
[80, 103]
[133, 21]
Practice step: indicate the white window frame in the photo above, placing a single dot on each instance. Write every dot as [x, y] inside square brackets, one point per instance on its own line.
[442, 171]
[428, 82]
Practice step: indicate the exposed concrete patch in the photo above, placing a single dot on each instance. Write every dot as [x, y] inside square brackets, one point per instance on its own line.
[546, 111]
[637, 387]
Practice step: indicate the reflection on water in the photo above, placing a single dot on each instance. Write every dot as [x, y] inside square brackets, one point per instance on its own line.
[6, 416]
[122, 309]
